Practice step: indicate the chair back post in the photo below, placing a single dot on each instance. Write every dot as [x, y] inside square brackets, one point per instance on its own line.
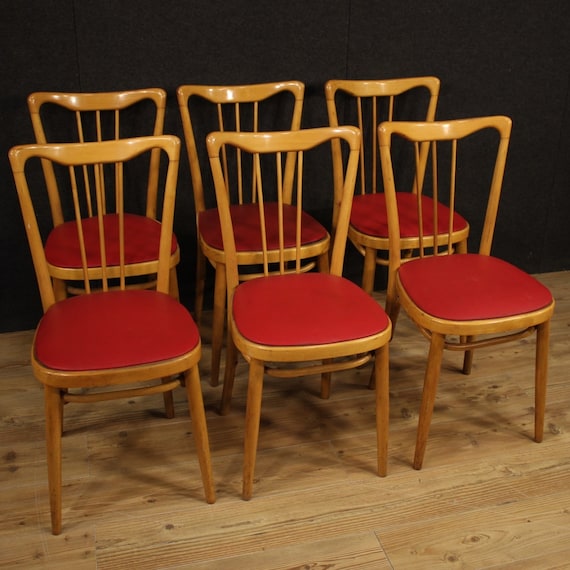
[18, 157]
[112, 103]
[96, 155]
[236, 97]
[354, 139]
[422, 133]
[373, 91]
[279, 143]
[504, 127]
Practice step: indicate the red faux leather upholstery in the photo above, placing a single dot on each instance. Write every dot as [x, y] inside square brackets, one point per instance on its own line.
[247, 227]
[114, 329]
[466, 287]
[369, 215]
[142, 236]
[305, 309]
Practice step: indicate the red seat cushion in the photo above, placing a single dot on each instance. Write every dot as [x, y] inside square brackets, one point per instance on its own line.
[142, 238]
[466, 287]
[114, 329]
[369, 215]
[305, 309]
[247, 231]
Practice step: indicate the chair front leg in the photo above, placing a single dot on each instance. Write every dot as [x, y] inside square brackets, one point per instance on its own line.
[252, 419]
[54, 412]
[382, 381]
[431, 378]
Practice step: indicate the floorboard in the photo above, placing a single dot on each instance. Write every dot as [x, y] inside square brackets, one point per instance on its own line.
[488, 497]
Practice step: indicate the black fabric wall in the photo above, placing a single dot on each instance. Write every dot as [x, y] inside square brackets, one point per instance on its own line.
[507, 57]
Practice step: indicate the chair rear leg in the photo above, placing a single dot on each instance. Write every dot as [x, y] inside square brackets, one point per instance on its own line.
[229, 375]
[218, 322]
[369, 270]
[173, 284]
[200, 285]
[168, 401]
[326, 380]
[198, 418]
[431, 378]
[468, 356]
[59, 289]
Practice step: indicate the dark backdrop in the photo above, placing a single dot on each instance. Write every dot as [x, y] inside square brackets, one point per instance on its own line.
[505, 57]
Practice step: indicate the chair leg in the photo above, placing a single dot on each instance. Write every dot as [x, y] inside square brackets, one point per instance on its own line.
[173, 284]
[199, 427]
[369, 270]
[323, 263]
[326, 379]
[392, 304]
[59, 289]
[541, 377]
[218, 321]
[468, 355]
[431, 378]
[382, 381]
[54, 412]
[252, 419]
[168, 401]
[392, 309]
[229, 375]
[200, 284]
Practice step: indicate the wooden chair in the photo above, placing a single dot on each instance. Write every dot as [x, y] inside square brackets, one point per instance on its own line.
[318, 319]
[83, 117]
[112, 339]
[258, 107]
[366, 103]
[467, 300]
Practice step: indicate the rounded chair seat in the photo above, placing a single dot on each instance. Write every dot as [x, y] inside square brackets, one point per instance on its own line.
[247, 231]
[114, 329]
[369, 215]
[466, 287]
[142, 238]
[305, 309]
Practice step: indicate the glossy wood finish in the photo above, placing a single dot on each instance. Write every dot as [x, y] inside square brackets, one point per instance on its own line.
[275, 357]
[444, 331]
[366, 103]
[84, 117]
[254, 107]
[101, 381]
[486, 498]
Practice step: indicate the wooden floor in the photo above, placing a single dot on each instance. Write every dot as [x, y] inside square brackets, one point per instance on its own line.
[487, 497]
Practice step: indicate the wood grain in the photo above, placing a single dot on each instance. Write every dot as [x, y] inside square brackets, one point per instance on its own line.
[487, 497]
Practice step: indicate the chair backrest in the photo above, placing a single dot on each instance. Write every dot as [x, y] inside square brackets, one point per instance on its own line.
[270, 173]
[105, 166]
[243, 108]
[367, 103]
[465, 165]
[90, 117]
